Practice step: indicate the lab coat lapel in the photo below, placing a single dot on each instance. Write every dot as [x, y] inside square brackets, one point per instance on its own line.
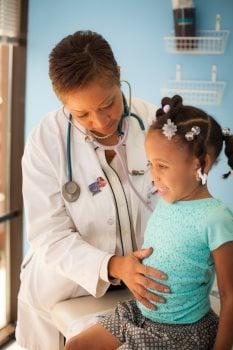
[88, 159]
[137, 160]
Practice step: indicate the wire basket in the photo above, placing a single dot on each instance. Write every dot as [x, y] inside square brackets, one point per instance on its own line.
[196, 92]
[206, 42]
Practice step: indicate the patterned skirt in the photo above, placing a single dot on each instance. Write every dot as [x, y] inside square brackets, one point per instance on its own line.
[134, 331]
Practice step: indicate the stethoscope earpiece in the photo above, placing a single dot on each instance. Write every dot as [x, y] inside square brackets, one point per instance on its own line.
[70, 191]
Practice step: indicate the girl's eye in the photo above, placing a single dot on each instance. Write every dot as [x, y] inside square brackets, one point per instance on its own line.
[161, 166]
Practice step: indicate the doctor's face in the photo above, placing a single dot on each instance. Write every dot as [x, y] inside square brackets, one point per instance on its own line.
[98, 107]
[173, 168]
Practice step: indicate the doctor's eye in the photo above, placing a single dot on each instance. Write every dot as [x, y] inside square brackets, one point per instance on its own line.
[108, 106]
[82, 116]
[149, 164]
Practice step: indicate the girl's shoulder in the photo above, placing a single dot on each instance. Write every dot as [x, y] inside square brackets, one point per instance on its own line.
[219, 226]
[219, 213]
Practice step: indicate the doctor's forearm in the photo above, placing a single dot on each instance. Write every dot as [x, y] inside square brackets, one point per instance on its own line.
[115, 267]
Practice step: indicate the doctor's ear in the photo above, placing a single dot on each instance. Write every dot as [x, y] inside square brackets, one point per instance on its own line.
[119, 69]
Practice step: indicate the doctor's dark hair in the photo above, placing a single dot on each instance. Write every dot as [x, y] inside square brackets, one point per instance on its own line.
[79, 59]
[210, 139]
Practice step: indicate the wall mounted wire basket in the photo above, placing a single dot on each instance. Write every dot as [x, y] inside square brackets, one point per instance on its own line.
[195, 92]
[206, 42]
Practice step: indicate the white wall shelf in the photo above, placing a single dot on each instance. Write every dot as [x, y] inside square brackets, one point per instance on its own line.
[195, 92]
[206, 42]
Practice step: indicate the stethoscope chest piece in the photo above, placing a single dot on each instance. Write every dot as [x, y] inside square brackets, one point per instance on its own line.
[70, 191]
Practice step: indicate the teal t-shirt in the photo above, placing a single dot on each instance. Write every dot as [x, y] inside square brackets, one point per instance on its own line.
[183, 234]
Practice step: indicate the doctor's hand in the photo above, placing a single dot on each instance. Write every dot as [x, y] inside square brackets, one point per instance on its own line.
[136, 276]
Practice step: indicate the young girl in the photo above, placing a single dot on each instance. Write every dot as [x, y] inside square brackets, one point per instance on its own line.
[192, 236]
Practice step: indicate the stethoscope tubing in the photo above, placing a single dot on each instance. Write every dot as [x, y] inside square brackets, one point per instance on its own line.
[114, 148]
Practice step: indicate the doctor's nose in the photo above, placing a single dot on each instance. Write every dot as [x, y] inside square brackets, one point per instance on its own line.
[101, 119]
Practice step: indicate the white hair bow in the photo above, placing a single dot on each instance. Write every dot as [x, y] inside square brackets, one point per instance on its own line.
[193, 132]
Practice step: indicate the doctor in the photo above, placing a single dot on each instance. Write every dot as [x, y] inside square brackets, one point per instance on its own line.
[83, 211]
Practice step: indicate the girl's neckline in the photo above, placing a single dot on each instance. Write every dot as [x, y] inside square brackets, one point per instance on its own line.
[192, 202]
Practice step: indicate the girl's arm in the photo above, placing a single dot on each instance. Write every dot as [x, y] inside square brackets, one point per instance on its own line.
[223, 257]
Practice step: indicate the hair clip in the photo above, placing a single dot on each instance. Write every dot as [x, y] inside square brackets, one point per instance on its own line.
[193, 132]
[169, 129]
[226, 132]
[166, 108]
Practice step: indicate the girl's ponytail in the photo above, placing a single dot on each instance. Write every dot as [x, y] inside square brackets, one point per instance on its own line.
[228, 139]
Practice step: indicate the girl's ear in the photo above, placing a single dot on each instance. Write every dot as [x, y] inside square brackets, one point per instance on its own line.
[208, 163]
[196, 164]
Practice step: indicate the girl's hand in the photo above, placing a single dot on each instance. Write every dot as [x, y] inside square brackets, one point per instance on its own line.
[135, 276]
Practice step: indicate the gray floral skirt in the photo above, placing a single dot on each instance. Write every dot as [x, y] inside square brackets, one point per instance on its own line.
[134, 331]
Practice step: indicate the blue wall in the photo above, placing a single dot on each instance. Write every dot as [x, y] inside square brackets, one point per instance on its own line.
[135, 30]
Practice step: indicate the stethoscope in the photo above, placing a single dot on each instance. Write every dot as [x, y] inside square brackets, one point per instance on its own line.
[71, 190]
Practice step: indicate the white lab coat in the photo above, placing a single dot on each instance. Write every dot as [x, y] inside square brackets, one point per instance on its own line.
[68, 241]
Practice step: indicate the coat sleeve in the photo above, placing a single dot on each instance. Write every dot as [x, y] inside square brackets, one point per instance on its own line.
[50, 227]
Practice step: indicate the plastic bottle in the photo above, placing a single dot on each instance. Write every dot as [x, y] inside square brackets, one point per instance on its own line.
[184, 14]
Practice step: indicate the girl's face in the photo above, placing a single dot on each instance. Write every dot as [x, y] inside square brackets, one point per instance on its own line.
[97, 107]
[173, 168]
